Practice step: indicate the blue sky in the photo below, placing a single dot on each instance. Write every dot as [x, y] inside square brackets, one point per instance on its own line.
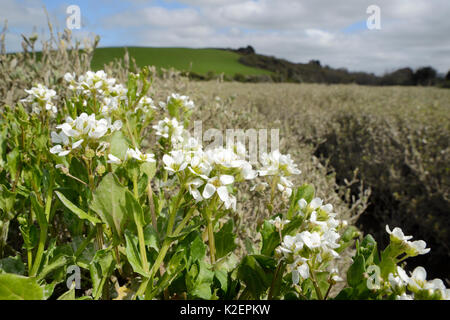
[413, 33]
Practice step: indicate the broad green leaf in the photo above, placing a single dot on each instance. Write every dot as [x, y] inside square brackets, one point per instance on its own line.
[119, 145]
[101, 267]
[149, 168]
[197, 249]
[7, 199]
[77, 211]
[270, 238]
[16, 287]
[256, 277]
[109, 202]
[12, 265]
[224, 240]
[355, 274]
[151, 237]
[132, 206]
[133, 255]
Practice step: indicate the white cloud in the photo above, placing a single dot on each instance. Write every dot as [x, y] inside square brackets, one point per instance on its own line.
[414, 32]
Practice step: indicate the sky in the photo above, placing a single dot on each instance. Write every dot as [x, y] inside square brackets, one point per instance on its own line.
[413, 33]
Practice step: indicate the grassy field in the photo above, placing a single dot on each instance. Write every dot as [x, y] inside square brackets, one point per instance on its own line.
[200, 61]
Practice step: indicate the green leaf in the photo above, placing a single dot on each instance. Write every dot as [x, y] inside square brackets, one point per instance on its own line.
[55, 263]
[101, 267]
[133, 206]
[133, 255]
[12, 161]
[16, 287]
[7, 199]
[39, 211]
[12, 265]
[270, 238]
[149, 168]
[355, 274]
[254, 273]
[197, 249]
[119, 145]
[109, 202]
[69, 295]
[151, 237]
[77, 211]
[224, 240]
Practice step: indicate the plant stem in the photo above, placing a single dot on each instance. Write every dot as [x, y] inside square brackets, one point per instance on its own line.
[162, 254]
[44, 229]
[211, 241]
[316, 286]
[152, 205]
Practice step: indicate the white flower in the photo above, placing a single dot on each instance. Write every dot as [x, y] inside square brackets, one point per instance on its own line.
[302, 203]
[218, 184]
[113, 159]
[405, 296]
[40, 97]
[418, 278]
[175, 162]
[260, 186]
[417, 247]
[83, 128]
[184, 100]
[193, 186]
[301, 270]
[397, 234]
[138, 155]
[170, 128]
[279, 223]
[275, 163]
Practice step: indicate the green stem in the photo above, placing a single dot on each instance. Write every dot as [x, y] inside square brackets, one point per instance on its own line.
[211, 241]
[44, 230]
[314, 281]
[40, 250]
[162, 254]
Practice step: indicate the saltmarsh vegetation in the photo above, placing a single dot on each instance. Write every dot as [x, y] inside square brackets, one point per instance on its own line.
[100, 172]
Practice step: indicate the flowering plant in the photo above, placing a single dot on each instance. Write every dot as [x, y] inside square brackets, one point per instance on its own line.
[125, 192]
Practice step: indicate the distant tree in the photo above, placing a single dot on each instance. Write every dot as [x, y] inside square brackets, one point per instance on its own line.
[400, 77]
[447, 77]
[425, 76]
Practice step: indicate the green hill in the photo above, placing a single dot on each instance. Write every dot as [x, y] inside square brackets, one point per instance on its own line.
[200, 61]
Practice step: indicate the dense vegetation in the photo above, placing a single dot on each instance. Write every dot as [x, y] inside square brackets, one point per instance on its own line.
[379, 155]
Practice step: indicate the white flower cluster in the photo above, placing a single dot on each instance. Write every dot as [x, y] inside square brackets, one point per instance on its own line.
[208, 172]
[280, 167]
[98, 85]
[401, 243]
[314, 246]
[132, 154]
[85, 128]
[145, 104]
[175, 98]
[417, 285]
[172, 130]
[40, 98]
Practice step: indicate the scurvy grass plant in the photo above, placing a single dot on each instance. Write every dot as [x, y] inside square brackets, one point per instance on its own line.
[113, 184]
